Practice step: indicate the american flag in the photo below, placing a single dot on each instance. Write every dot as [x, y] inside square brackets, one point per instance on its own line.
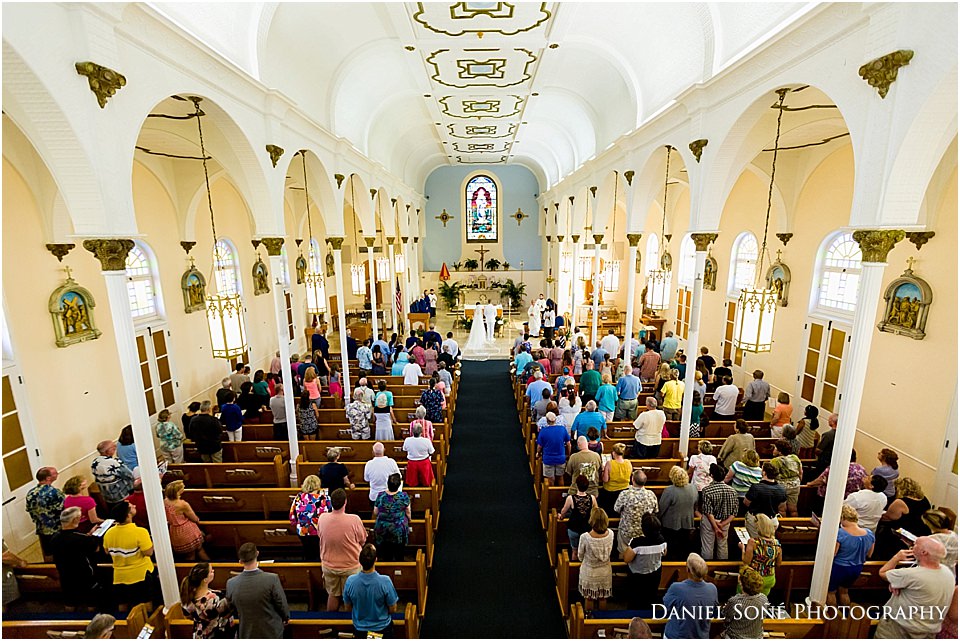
[399, 306]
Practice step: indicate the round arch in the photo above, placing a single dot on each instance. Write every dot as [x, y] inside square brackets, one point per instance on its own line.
[318, 182]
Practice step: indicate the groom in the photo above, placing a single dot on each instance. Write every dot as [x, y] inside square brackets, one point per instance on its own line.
[490, 317]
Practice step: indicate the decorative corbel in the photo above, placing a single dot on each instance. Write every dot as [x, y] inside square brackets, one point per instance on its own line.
[256, 243]
[339, 178]
[918, 238]
[104, 82]
[629, 174]
[593, 191]
[697, 147]
[785, 237]
[298, 241]
[275, 153]
[668, 237]
[882, 72]
[60, 250]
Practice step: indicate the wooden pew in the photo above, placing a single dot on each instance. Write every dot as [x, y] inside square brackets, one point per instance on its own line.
[355, 468]
[656, 469]
[74, 624]
[275, 473]
[338, 430]
[316, 451]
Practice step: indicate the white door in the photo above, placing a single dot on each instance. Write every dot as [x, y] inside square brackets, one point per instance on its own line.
[945, 492]
[21, 459]
[821, 364]
[159, 383]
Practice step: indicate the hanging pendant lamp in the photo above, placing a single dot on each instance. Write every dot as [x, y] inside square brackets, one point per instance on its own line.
[313, 280]
[228, 334]
[658, 280]
[611, 271]
[757, 306]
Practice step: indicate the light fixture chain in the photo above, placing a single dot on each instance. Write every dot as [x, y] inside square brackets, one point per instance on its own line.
[666, 186]
[773, 173]
[306, 194]
[206, 180]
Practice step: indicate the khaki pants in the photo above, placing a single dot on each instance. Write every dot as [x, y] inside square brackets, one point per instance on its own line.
[626, 410]
[216, 457]
[710, 546]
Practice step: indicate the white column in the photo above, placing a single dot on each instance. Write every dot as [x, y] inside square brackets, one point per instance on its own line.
[875, 245]
[701, 242]
[273, 246]
[634, 240]
[575, 279]
[597, 284]
[405, 285]
[112, 254]
[392, 306]
[337, 244]
[373, 289]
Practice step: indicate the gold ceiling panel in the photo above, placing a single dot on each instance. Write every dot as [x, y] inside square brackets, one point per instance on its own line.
[482, 147]
[488, 67]
[481, 160]
[483, 106]
[481, 18]
[491, 130]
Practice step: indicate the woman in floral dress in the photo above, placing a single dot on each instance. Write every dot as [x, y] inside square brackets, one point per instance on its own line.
[305, 510]
[392, 528]
[211, 613]
[432, 400]
[596, 573]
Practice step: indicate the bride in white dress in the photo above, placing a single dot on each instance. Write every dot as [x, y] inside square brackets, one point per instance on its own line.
[477, 348]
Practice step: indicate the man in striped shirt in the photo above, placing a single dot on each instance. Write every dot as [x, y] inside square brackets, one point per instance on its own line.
[719, 506]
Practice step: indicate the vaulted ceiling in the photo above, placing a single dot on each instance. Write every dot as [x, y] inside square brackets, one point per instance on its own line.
[418, 85]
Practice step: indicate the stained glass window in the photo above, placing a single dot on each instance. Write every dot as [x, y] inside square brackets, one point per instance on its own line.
[482, 209]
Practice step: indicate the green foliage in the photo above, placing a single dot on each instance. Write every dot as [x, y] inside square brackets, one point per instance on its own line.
[505, 266]
[457, 265]
[515, 292]
[492, 264]
[471, 264]
[449, 293]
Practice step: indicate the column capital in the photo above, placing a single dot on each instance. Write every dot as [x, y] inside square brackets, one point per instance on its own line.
[369, 241]
[273, 245]
[575, 238]
[634, 239]
[560, 237]
[391, 240]
[598, 238]
[702, 240]
[111, 252]
[875, 244]
[405, 239]
[336, 242]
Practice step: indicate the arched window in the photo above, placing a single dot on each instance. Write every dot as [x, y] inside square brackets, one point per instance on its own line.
[839, 273]
[225, 267]
[482, 207]
[744, 259]
[688, 261]
[652, 260]
[141, 283]
[316, 257]
[284, 267]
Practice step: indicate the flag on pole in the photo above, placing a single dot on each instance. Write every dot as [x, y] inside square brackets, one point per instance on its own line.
[399, 306]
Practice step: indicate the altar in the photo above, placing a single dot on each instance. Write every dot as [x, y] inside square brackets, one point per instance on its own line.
[470, 296]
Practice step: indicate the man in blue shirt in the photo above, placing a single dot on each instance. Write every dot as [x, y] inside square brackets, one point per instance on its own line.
[668, 347]
[535, 389]
[598, 355]
[304, 366]
[521, 359]
[553, 445]
[365, 357]
[370, 596]
[628, 387]
[384, 349]
[588, 418]
[232, 418]
[433, 336]
[694, 597]
[411, 340]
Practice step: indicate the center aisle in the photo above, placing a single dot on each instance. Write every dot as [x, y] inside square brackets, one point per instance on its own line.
[490, 577]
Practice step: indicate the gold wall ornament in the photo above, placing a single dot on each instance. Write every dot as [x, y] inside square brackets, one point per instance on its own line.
[255, 242]
[518, 216]
[593, 191]
[882, 72]
[666, 262]
[300, 266]
[785, 237]
[393, 202]
[918, 238]
[339, 178]
[261, 278]
[710, 273]
[629, 174]
[273, 245]
[104, 82]
[329, 262]
[111, 252]
[188, 245]
[336, 242]
[702, 240]
[908, 300]
[370, 241]
[875, 244]
[668, 237]
[634, 239]
[275, 153]
[298, 241]
[60, 250]
[575, 238]
[697, 147]
[194, 288]
[778, 280]
[560, 238]
[71, 308]
[598, 239]
[444, 217]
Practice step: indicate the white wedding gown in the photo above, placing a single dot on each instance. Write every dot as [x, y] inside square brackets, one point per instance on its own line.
[477, 347]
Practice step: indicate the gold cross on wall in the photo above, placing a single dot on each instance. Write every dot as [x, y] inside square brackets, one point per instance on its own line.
[778, 255]
[66, 268]
[444, 217]
[910, 262]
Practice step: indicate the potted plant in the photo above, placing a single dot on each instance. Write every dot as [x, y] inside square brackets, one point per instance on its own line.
[505, 266]
[514, 292]
[457, 265]
[471, 264]
[492, 264]
[449, 293]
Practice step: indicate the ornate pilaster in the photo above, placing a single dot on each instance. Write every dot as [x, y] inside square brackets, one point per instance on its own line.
[275, 152]
[634, 239]
[273, 245]
[697, 147]
[875, 244]
[111, 252]
[336, 242]
[882, 72]
[104, 82]
[918, 238]
[702, 240]
[60, 250]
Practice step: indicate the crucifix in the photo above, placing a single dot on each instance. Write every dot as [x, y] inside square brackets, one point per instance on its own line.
[66, 268]
[483, 252]
[910, 262]
[778, 255]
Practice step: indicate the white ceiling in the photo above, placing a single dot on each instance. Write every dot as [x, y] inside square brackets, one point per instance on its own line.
[418, 85]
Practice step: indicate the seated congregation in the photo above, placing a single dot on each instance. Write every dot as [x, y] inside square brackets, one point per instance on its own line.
[636, 527]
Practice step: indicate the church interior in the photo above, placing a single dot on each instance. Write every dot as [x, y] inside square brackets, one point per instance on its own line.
[195, 188]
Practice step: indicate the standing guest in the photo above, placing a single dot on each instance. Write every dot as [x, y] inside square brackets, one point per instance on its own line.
[553, 447]
[870, 502]
[127, 449]
[628, 389]
[371, 598]
[755, 398]
[399, 364]
[114, 479]
[378, 470]
[929, 583]
[889, 469]
[75, 555]
[186, 538]
[689, 595]
[606, 398]
[649, 364]
[276, 364]
[430, 355]
[432, 399]
[521, 358]
[577, 508]
[709, 361]
[570, 404]
[379, 362]
[358, 415]
[426, 427]
[782, 415]
[680, 365]
[589, 382]
[412, 373]
[644, 556]
[943, 525]
[417, 352]
[44, 504]
[223, 394]
[206, 431]
[594, 548]
[736, 445]
[594, 444]
[824, 448]
[443, 371]
[673, 396]
[610, 343]
[699, 383]
[454, 350]
[743, 612]
[307, 417]
[556, 359]
[669, 346]
[718, 507]
[365, 358]
[385, 350]
[238, 378]
[419, 449]
[341, 537]
[305, 510]
[100, 627]
[311, 385]
[616, 477]
[766, 497]
[763, 552]
[278, 409]
[725, 370]
[631, 505]
[170, 437]
[258, 598]
[807, 433]
[535, 389]
[564, 377]
[77, 491]
[411, 340]
[539, 409]
[590, 417]
[432, 298]
[130, 548]
[664, 374]
[725, 397]
[789, 473]
[854, 546]
[698, 466]
[232, 418]
[261, 387]
[746, 473]
[250, 403]
[211, 613]
[319, 342]
[192, 411]
[676, 507]
[855, 476]
[384, 418]
[649, 431]
[392, 514]
[335, 474]
[335, 387]
[586, 463]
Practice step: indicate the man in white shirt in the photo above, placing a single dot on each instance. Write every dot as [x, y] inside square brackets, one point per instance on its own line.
[921, 594]
[452, 344]
[432, 297]
[649, 434]
[611, 344]
[378, 470]
[412, 373]
[541, 304]
[418, 449]
[870, 502]
[726, 397]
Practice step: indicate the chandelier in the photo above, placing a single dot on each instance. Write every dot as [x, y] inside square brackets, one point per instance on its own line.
[313, 280]
[358, 280]
[399, 263]
[757, 306]
[566, 262]
[383, 269]
[228, 335]
[658, 280]
[611, 271]
[585, 268]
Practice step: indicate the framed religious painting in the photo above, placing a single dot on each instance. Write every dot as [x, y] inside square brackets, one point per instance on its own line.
[194, 288]
[710, 273]
[301, 267]
[908, 300]
[778, 279]
[71, 308]
[481, 204]
[261, 278]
